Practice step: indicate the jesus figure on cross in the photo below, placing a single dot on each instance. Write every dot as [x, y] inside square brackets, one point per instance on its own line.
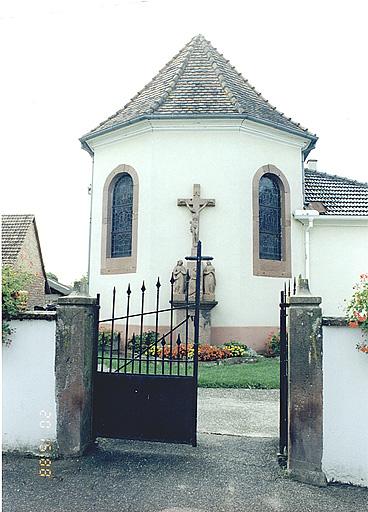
[195, 206]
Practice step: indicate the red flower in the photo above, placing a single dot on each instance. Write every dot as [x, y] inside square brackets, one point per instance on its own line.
[353, 324]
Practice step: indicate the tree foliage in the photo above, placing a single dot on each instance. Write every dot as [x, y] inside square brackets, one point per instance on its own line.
[50, 275]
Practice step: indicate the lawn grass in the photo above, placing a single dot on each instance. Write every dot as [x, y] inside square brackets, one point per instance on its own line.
[264, 374]
[261, 375]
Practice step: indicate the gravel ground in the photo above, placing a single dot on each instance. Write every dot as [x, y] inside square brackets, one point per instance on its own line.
[225, 473]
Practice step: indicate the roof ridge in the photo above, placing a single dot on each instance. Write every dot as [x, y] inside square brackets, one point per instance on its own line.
[227, 90]
[188, 49]
[17, 215]
[336, 176]
[159, 73]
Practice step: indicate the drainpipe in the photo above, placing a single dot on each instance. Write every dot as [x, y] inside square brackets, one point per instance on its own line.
[306, 217]
[90, 191]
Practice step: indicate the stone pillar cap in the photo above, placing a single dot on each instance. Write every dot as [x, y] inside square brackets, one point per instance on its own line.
[303, 287]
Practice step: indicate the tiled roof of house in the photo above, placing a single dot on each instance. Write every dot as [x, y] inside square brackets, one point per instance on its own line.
[339, 196]
[199, 81]
[14, 230]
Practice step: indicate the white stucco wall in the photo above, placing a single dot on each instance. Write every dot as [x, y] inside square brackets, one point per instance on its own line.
[339, 254]
[345, 409]
[29, 385]
[222, 157]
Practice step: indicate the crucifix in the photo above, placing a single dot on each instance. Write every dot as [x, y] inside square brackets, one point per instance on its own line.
[195, 205]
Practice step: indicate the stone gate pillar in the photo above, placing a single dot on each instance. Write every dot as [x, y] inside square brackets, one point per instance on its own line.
[305, 387]
[76, 343]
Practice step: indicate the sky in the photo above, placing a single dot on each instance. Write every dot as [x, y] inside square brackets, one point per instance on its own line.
[67, 65]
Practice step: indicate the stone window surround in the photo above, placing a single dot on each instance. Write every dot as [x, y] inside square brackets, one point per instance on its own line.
[128, 264]
[272, 268]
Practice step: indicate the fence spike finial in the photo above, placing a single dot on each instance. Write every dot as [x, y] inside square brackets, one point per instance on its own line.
[143, 287]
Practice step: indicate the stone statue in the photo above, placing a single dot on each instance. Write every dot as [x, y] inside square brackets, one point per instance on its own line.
[192, 281]
[209, 279]
[179, 274]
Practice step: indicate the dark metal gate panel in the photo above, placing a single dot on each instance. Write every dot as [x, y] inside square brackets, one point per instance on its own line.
[145, 407]
[145, 387]
[284, 382]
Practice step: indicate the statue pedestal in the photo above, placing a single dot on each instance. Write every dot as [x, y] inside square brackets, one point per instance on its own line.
[207, 304]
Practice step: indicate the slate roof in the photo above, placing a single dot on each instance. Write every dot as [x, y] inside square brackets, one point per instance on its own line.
[57, 287]
[14, 229]
[199, 82]
[340, 196]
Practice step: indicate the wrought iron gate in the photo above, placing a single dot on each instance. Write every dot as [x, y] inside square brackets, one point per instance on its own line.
[284, 420]
[145, 384]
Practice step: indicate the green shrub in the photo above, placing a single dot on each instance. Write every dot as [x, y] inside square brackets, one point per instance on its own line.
[148, 340]
[104, 337]
[14, 297]
[273, 344]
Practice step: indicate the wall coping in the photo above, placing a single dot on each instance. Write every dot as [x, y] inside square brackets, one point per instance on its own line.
[334, 321]
[305, 300]
[35, 315]
[76, 300]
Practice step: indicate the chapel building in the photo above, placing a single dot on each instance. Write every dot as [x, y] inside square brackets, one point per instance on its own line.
[200, 130]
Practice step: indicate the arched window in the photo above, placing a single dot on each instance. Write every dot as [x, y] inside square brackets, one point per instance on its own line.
[269, 218]
[122, 217]
[271, 223]
[119, 233]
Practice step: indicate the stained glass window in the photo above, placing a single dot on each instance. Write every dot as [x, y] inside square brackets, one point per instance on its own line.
[269, 218]
[122, 217]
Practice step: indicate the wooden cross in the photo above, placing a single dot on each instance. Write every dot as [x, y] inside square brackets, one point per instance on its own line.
[195, 204]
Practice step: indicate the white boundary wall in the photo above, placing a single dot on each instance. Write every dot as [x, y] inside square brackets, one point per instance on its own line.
[29, 385]
[345, 432]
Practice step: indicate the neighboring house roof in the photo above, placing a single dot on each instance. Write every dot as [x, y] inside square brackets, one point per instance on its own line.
[339, 196]
[14, 231]
[56, 287]
[199, 82]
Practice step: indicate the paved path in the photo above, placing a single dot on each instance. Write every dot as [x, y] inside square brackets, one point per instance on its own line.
[242, 412]
[225, 473]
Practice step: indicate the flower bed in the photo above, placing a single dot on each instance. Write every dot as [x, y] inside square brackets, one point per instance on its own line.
[206, 352]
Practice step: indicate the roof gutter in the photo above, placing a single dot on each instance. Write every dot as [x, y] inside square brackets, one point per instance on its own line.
[325, 218]
[309, 148]
[86, 147]
[306, 217]
[88, 136]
